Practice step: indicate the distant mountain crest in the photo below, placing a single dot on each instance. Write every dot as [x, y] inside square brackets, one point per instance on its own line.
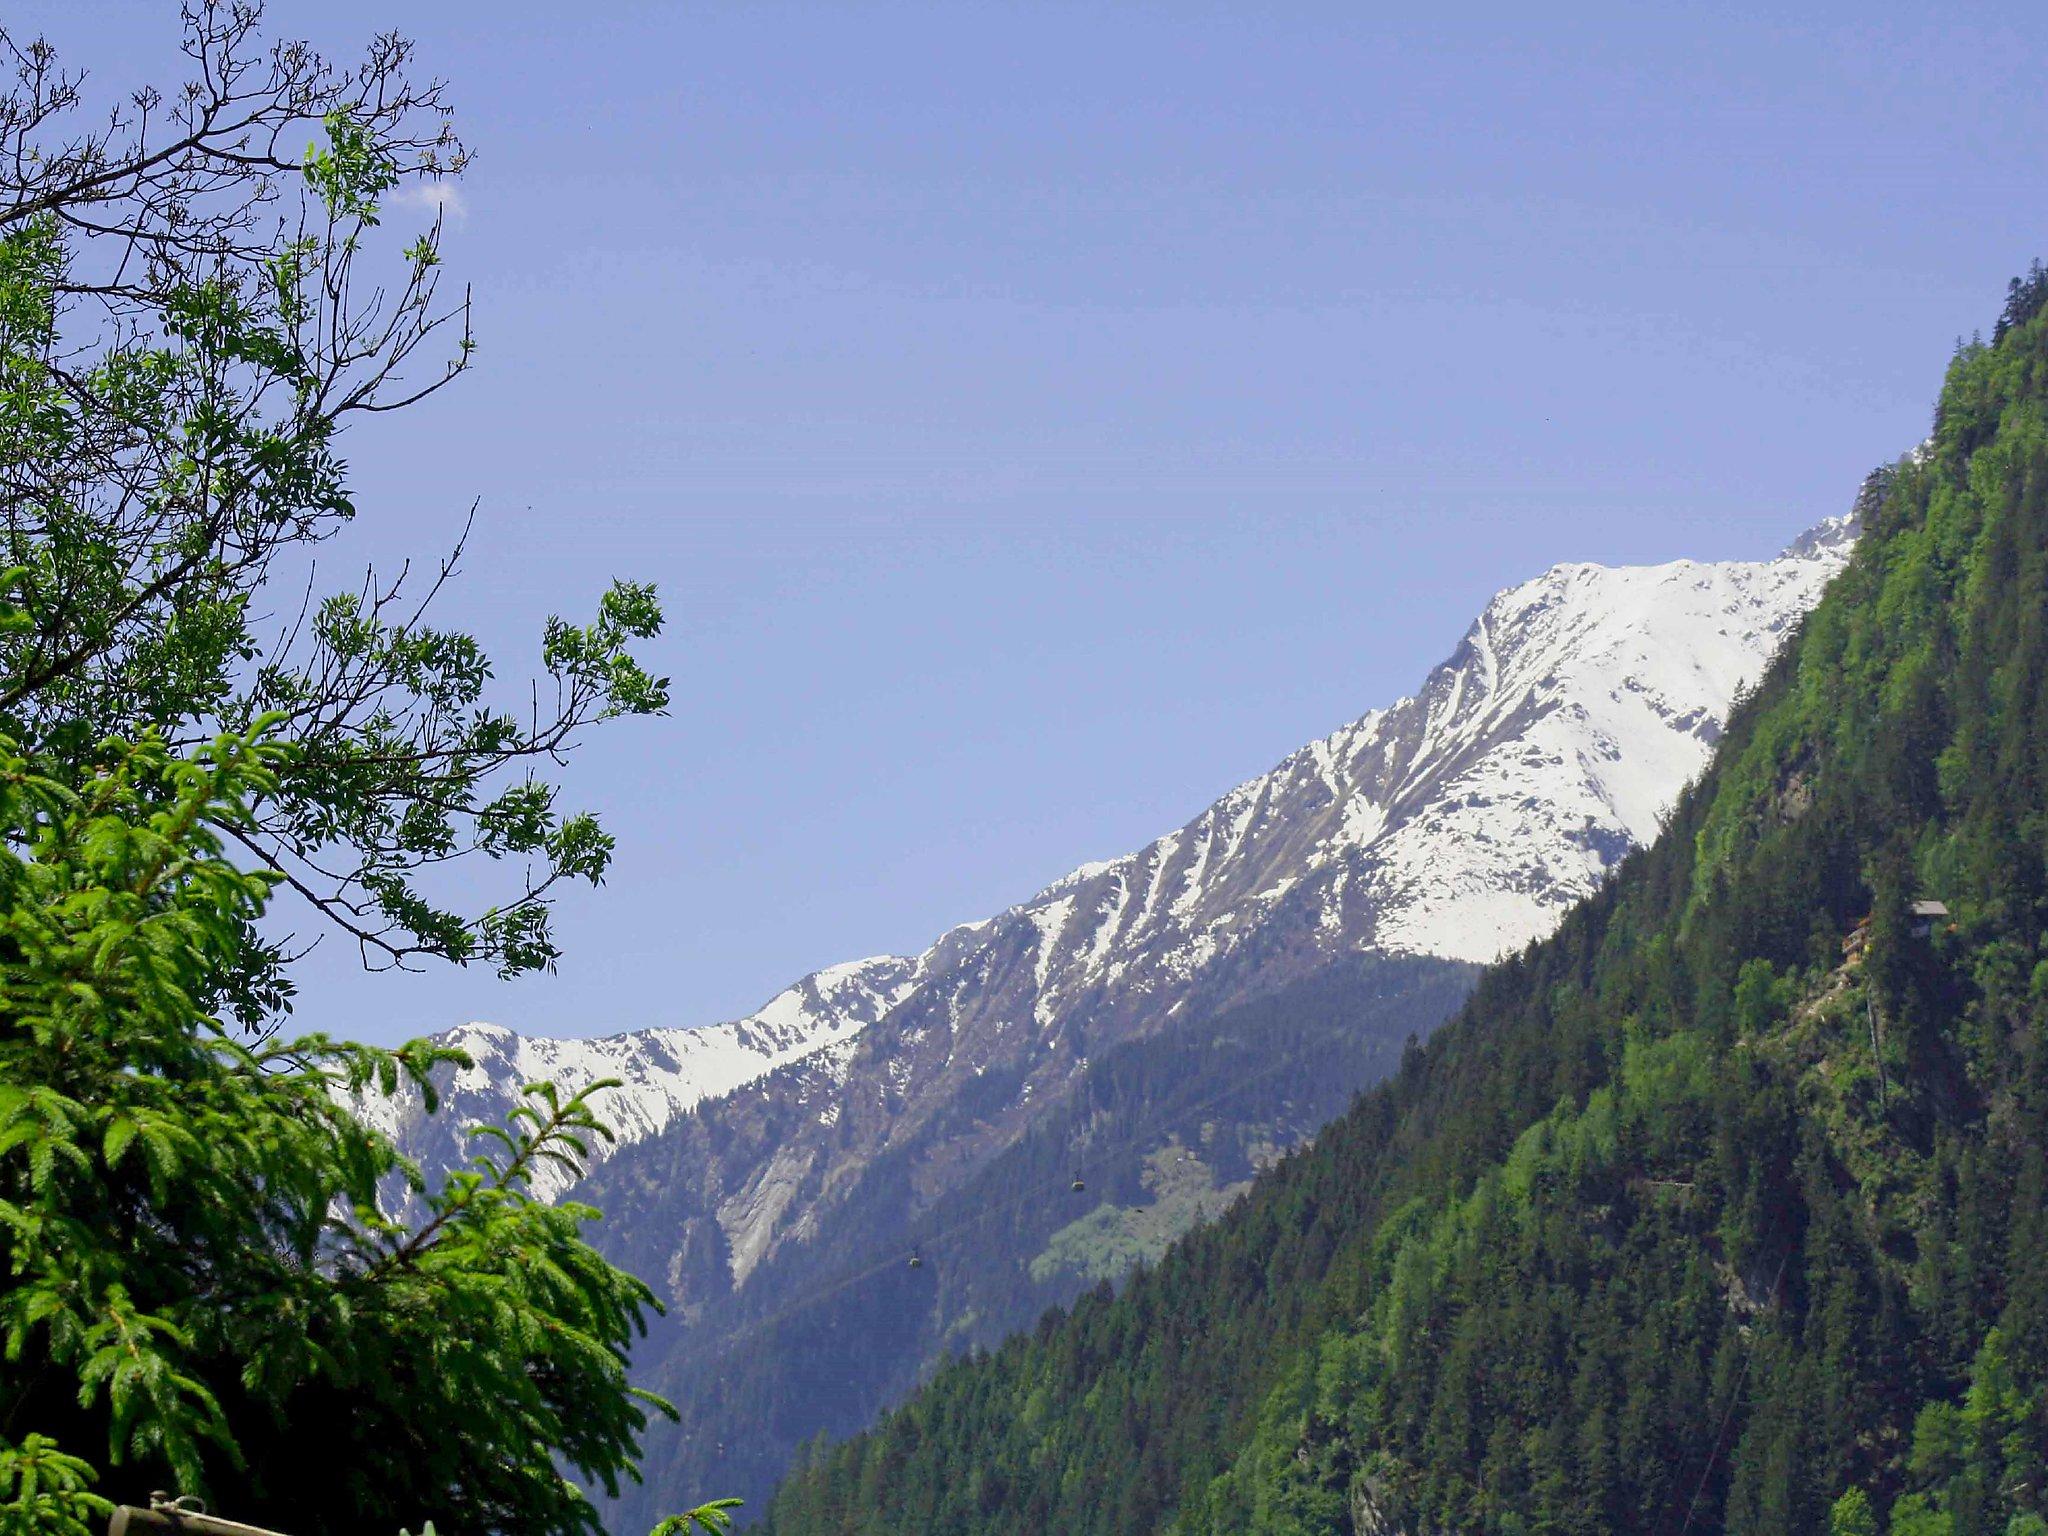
[1460, 822]
[1832, 537]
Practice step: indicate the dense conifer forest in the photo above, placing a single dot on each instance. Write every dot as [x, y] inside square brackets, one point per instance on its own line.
[1724, 1208]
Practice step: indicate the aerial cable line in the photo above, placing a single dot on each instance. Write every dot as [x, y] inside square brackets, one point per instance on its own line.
[1734, 1401]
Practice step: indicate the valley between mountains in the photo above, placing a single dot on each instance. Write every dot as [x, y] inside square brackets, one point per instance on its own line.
[1047, 1096]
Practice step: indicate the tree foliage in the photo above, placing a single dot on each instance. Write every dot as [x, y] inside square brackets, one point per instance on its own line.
[199, 1286]
[198, 296]
[199, 1289]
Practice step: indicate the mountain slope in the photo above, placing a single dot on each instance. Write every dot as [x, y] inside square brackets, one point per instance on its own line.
[663, 1073]
[1712, 1211]
[1163, 1131]
[1459, 823]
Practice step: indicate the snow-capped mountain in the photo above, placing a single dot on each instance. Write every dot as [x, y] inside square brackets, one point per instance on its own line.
[1459, 822]
[771, 1167]
[663, 1072]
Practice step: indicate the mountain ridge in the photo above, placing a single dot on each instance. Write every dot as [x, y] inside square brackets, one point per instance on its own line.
[667, 1070]
[1398, 786]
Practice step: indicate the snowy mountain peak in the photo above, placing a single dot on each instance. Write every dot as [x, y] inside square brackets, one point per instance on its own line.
[1829, 539]
[1463, 820]
[1459, 822]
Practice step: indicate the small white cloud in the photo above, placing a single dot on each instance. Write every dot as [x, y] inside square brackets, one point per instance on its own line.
[442, 196]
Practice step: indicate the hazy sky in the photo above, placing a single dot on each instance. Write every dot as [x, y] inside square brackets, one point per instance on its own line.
[1040, 418]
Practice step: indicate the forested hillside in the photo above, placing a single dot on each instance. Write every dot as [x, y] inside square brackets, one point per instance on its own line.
[1723, 1208]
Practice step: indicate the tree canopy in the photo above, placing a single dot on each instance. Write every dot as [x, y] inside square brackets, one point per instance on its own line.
[198, 295]
[199, 1288]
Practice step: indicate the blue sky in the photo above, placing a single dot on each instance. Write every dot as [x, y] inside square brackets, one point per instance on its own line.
[1040, 417]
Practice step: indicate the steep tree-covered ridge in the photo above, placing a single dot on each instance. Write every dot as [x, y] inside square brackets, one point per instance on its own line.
[1723, 1208]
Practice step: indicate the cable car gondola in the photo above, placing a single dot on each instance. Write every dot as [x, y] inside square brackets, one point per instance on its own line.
[1079, 1184]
